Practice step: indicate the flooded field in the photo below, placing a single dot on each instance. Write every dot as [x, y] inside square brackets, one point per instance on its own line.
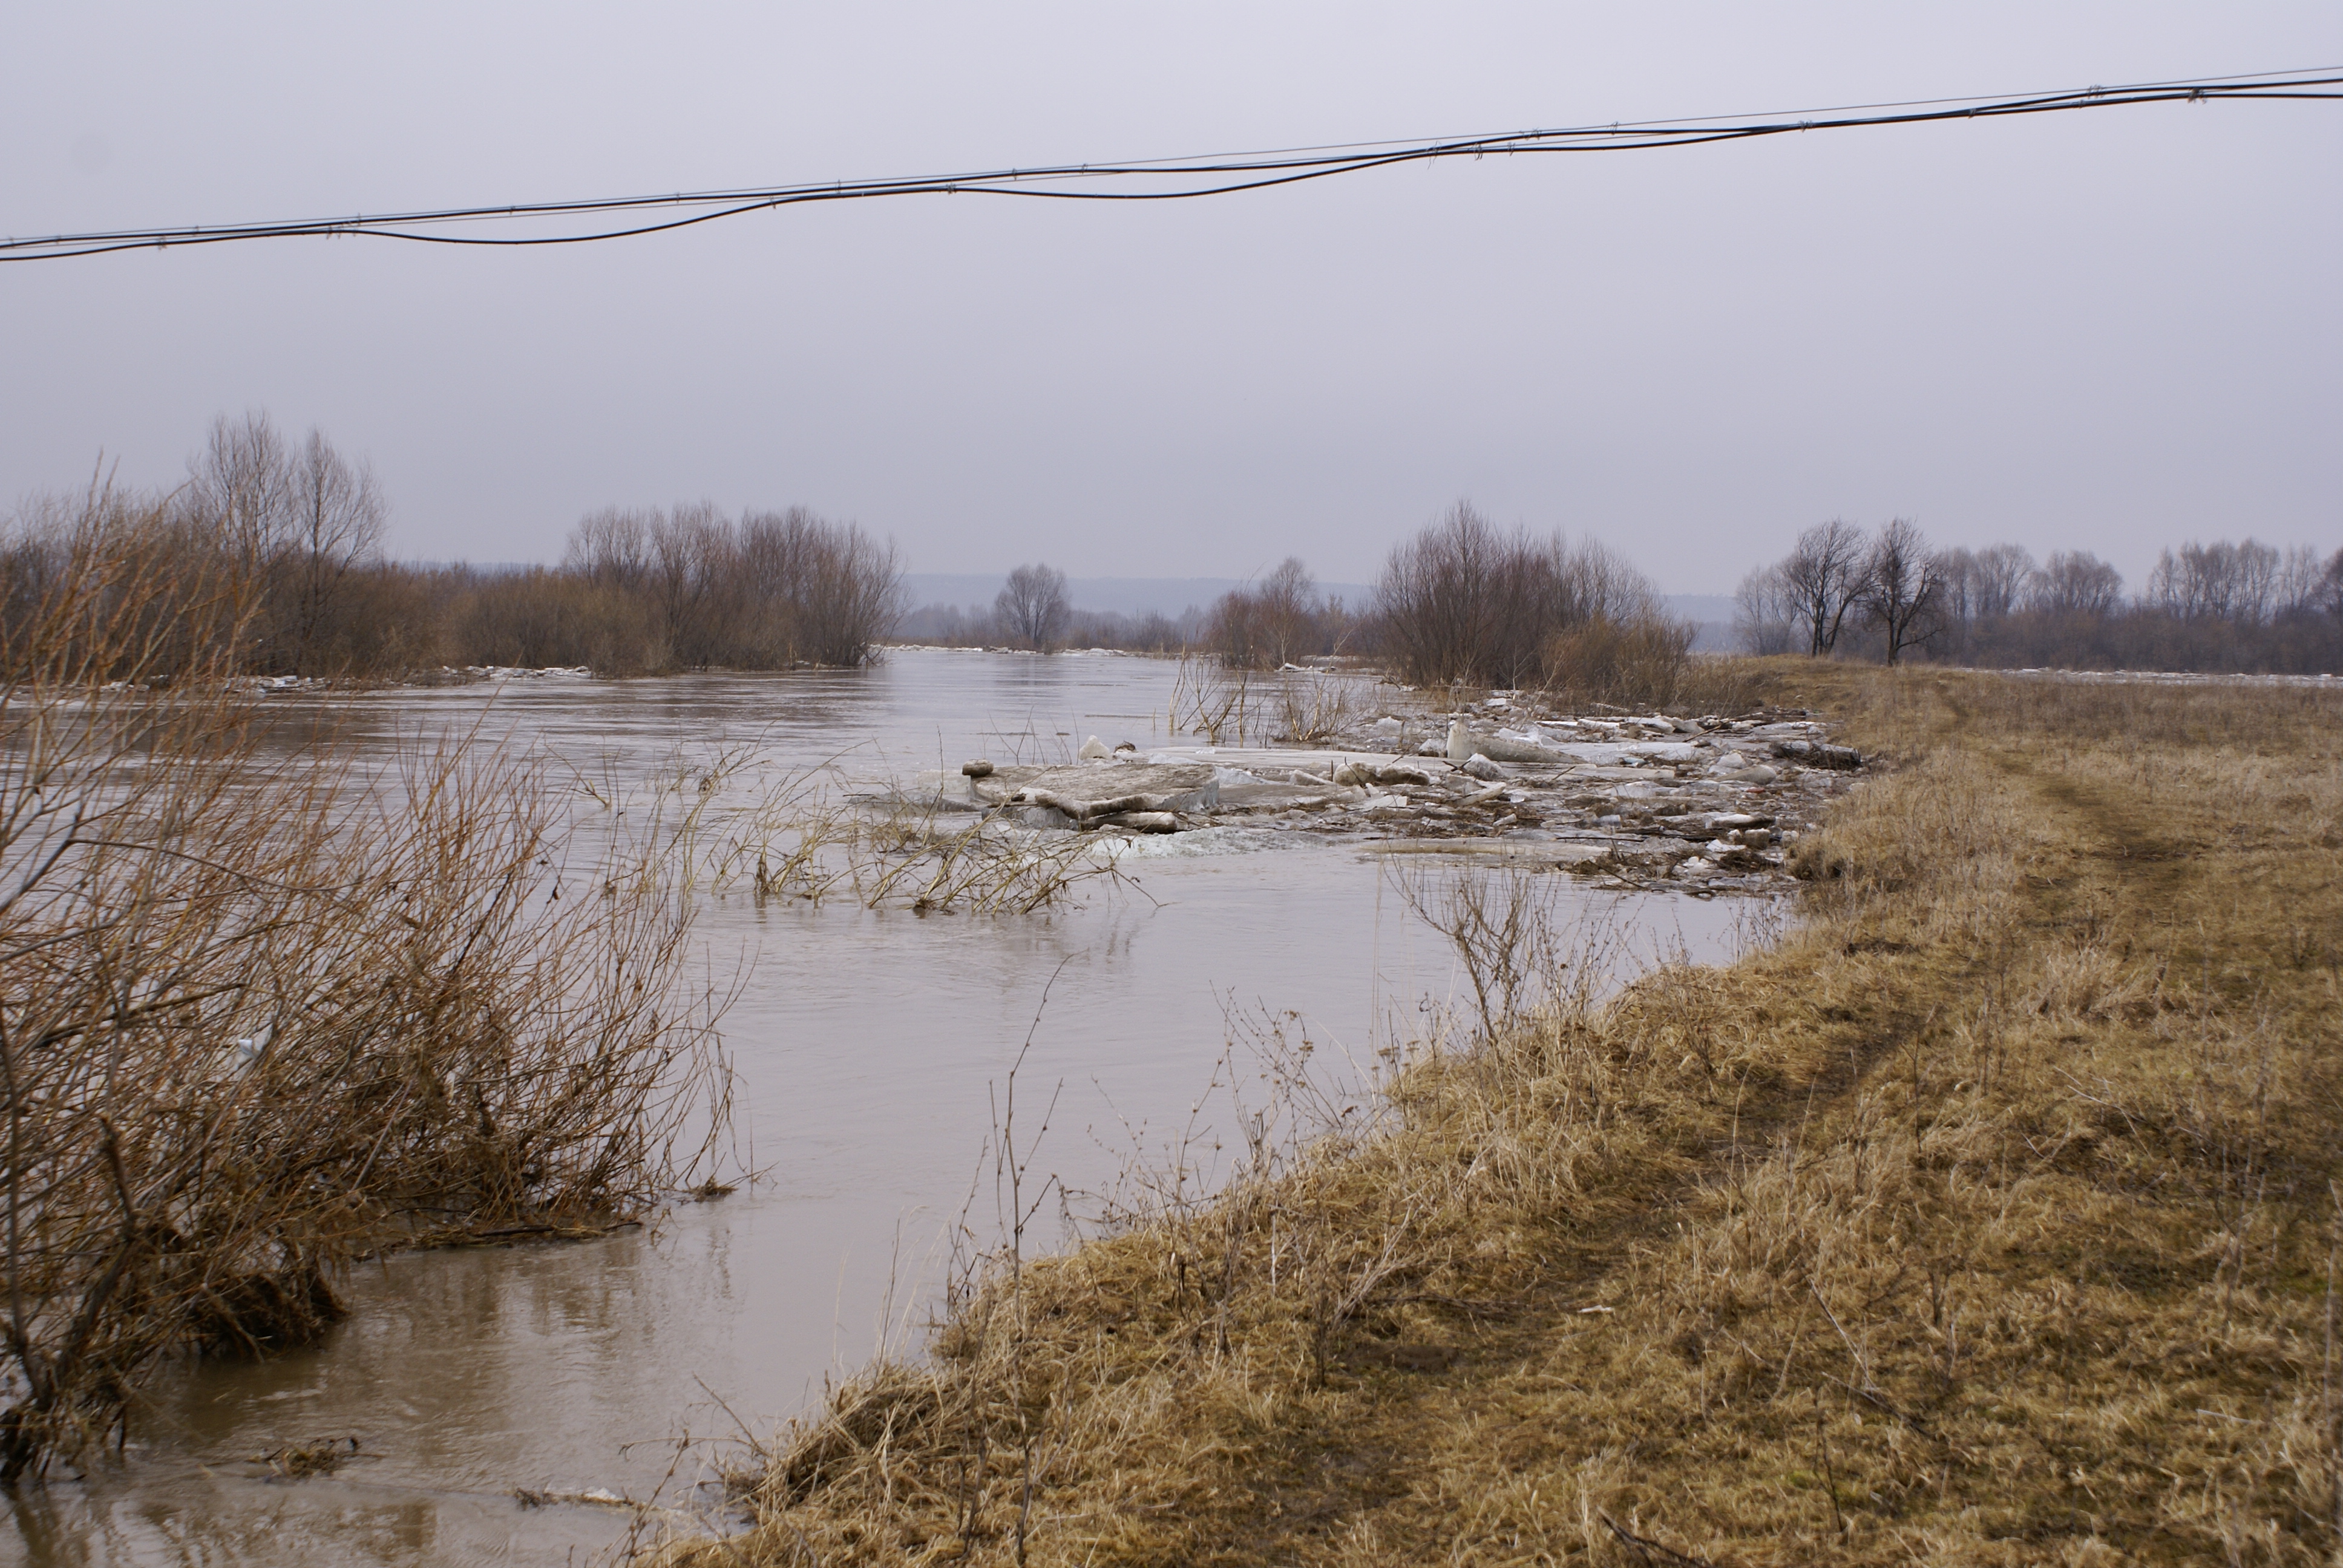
[871, 1048]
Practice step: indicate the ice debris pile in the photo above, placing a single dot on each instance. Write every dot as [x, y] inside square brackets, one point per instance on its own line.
[1710, 804]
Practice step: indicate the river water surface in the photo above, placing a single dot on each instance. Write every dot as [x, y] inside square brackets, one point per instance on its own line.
[872, 1049]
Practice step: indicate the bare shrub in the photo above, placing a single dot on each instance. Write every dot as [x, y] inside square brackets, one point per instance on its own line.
[258, 1015]
[1643, 663]
[1503, 925]
[1208, 698]
[541, 618]
[723, 819]
[1765, 612]
[1314, 705]
[1463, 602]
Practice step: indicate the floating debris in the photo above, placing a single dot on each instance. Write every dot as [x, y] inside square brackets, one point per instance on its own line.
[1708, 805]
[299, 1461]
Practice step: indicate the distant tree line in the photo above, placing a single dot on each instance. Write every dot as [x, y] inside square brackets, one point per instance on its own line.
[1032, 612]
[295, 529]
[2243, 607]
[290, 533]
[1462, 602]
[1279, 621]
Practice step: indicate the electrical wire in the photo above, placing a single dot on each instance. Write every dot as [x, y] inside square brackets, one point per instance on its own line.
[1178, 180]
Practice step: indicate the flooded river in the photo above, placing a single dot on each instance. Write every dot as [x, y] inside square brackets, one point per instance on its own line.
[870, 1048]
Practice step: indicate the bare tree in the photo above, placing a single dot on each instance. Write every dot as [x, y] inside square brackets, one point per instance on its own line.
[1290, 605]
[2073, 583]
[2301, 577]
[243, 484]
[1433, 599]
[1958, 605]
[1903, 586]
[690, 566]
[1824, 577]
[1998, 579]
[1272, 625]
[1764, 616]
[612, 548]
[1033, 608]
[336, 511]
[849, 591]
[296, 520]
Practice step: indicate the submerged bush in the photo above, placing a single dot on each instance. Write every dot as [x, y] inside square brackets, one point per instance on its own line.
[1464, 602]
[257, 1013]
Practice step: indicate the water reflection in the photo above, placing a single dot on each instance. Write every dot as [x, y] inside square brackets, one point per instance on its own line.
[867, 1045]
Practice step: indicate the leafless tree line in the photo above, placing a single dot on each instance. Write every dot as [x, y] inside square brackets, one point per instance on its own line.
[641, 591]
[294, 526]
[2224, 605]
[653, 590]
[650, 590]
[1463, 602]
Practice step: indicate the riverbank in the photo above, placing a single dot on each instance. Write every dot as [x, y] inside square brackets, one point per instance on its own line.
[1985, 1218]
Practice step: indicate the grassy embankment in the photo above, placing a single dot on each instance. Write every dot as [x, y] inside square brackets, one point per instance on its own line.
[1990, 1219]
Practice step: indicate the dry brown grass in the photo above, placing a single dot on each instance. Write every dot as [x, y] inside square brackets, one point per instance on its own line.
[1990, 1218]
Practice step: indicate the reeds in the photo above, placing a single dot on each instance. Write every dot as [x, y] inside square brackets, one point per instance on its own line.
[1209, 699]
[1314, 705]
[911, 861]
[718, 820]
[260, 1013]
[1226, 704]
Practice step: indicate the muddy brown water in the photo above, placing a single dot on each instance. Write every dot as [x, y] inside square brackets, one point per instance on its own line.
[870, 1051]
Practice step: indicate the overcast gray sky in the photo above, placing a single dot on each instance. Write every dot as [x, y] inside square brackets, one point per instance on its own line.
[2109, 330]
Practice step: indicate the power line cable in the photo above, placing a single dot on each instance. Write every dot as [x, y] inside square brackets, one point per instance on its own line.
[1182, 179]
